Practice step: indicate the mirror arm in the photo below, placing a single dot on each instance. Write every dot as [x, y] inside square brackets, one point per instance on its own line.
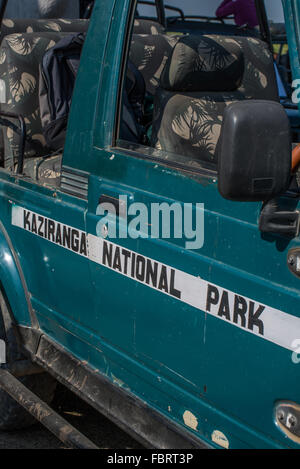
[275, 220]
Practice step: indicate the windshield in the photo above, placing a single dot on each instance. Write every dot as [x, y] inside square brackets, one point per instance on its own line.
[194, 7]
[274, 11]
[209, 7]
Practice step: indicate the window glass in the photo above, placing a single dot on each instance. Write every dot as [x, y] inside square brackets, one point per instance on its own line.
[145, 10]
[280, 47]
[194, 7]
[274, 10]
[181, 77]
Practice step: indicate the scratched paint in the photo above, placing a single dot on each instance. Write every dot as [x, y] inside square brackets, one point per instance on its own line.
[220, 439]
[190, 420]
[117, 381]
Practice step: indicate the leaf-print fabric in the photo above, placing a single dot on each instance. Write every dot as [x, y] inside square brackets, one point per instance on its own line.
[44, 170]
[147, 27]
[23, 47]
[149, 53]
[10, 26]
[203, 63]
[190, 102]
[19, 69]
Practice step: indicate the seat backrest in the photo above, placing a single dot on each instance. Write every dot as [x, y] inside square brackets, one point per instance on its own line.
[203, 75]
[58, 72]
[12, 26]
[131, 128]
[20, 58]
[149, 53]
[142, 26]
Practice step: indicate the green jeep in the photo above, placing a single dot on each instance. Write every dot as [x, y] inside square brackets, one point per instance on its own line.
[152, 264]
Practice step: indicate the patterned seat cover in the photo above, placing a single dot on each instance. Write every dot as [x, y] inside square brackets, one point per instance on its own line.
[149, 53]
[12, 26]
[142, 26]
[20, 57]
[204, 75]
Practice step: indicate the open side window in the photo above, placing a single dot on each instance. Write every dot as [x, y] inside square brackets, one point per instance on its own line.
[178, 84]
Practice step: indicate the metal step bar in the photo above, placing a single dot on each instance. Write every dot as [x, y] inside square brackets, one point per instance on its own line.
[65, 432]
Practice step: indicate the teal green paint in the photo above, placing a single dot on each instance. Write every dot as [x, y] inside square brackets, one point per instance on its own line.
[291, 10]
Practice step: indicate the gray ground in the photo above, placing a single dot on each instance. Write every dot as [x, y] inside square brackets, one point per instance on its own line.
[92, 424]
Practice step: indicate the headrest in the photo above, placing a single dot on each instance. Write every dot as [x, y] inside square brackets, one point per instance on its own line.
[204, 63]
[149, 53]
[30, 25]
[147, 27]
[19, 68]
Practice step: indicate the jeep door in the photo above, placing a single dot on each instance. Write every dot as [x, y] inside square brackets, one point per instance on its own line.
[210, 343]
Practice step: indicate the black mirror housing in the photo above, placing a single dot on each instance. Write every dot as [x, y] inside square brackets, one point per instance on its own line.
[254, 152]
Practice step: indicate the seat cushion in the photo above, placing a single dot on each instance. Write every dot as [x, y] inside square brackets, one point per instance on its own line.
[46, 171]
[189, 124]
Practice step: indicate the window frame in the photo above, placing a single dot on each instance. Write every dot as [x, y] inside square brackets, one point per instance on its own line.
[136, 150]
[160, 12]
[206, 168]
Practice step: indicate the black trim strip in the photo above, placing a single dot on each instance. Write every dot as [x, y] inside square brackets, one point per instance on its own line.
[2, 9]
[263, 22]
[74, 182]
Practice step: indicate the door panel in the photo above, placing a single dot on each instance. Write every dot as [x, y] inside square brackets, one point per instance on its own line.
[233, 363]
[58, 278]
[114, 318]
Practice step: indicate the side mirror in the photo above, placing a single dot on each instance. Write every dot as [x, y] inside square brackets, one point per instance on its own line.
[255, 151]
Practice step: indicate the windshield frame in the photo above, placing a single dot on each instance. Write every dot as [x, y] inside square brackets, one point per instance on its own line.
[3, 4]
[259, 4]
